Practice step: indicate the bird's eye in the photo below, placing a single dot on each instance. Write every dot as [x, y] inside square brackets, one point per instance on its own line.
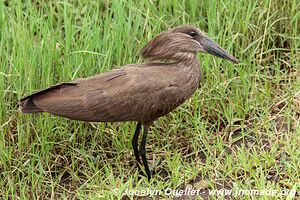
[192, 33]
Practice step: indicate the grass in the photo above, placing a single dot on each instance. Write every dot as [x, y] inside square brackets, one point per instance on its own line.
[240, 130]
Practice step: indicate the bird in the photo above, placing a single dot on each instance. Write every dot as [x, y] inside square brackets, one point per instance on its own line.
[135, 92]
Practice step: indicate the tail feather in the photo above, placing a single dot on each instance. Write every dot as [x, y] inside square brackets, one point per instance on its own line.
[27, 105]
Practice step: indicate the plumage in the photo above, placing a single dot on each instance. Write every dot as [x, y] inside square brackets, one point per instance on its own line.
[135, 92]
[101, 99]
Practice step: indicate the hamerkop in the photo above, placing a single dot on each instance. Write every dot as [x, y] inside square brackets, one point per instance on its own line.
[134, 92]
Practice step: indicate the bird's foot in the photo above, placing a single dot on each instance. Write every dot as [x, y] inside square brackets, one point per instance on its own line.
[149, 175]
[151, 172]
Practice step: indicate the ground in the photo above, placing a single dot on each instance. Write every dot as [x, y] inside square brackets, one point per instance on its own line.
[240, 130]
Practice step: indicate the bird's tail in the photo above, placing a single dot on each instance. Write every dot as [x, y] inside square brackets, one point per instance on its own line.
[26, 105]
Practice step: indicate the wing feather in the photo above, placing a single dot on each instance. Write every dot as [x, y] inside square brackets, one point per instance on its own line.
[123, 94]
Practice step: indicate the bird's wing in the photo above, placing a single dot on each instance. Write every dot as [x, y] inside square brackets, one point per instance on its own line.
[129, 93]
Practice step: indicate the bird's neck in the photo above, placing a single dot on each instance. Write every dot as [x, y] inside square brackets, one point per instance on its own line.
[184, 58]
[188, 77]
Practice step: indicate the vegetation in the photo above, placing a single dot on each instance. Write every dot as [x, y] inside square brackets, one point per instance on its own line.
[240, 130]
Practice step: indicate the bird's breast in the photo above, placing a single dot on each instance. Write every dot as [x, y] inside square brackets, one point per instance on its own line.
[184, 84]
[188, 79]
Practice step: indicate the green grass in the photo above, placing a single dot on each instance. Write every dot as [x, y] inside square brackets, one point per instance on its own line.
[239, 130]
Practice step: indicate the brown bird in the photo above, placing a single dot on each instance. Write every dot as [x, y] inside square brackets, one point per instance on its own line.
[134, 92]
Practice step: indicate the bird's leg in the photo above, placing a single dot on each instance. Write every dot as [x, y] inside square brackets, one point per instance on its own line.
[134, 143]
[143, 152]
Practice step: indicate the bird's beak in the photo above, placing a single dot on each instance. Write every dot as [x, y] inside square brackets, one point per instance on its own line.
[213, 48]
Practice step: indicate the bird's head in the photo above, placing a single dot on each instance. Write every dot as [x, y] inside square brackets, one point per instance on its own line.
[182, 43]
